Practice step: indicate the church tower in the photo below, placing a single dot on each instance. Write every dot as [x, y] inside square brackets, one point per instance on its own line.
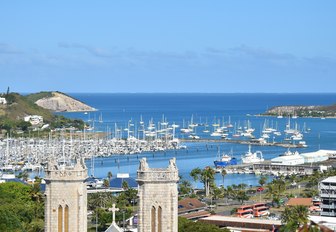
[66, 197]
[158, 198]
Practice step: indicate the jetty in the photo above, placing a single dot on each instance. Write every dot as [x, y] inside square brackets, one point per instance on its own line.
[248, 142]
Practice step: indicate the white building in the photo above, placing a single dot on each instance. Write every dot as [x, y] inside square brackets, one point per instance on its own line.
[33, 119]
[327, 190]
[3, 101]
[291, 159]
[317, 156]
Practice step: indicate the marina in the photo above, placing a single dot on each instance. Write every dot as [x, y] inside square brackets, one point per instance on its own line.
[116, 138]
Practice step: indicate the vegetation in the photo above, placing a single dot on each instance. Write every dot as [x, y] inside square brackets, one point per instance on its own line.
[22, 208]
[294, 217]
[303, 111]
[99, 203]
[36, 96]
[18, 106]
[184, 225]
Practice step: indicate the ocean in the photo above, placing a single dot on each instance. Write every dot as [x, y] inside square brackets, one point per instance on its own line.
[122, 108]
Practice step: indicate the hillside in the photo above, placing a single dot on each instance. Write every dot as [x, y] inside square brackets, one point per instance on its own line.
[18, 107]
[58, 102]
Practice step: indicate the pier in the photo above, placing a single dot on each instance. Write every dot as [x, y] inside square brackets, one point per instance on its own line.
[248, 142]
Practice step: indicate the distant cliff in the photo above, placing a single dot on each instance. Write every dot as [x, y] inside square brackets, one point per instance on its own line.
[303, 111]
[59, 102]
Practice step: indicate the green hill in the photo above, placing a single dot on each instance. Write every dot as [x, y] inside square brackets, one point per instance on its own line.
[19, 106]
[12, 114]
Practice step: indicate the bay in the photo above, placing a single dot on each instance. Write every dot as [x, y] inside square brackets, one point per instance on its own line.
[120, 108]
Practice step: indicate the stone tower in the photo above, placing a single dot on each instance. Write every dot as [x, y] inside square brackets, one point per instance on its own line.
[157, 198]
[66, 197]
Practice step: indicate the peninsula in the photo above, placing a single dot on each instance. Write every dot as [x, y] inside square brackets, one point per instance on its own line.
[302, 111]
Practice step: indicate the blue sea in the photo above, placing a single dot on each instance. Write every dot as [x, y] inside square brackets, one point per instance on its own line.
[201, 108]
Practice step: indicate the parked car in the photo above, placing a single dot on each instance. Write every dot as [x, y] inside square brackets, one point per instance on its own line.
[260, 189]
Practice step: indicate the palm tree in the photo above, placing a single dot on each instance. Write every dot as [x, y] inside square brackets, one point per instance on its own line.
[125, 185]
[263, 180]
[275, 189]
[109, 175]
[295, 216]
[195, 174]
[106, 183]
[208, 177]
[223, 173]
[185, 187]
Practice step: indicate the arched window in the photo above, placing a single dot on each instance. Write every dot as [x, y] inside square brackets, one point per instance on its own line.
[153, 218]
[60, 218]
[160, 219]
[66, 218]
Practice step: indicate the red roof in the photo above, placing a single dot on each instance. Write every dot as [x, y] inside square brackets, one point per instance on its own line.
[300, 201]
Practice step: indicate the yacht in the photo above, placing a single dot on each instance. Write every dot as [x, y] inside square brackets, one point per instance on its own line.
[250, 158]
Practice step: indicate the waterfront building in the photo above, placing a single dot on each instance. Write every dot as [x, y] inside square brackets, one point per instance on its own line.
[317, 156]
[66, 197]
[158, 197]
[288, 159]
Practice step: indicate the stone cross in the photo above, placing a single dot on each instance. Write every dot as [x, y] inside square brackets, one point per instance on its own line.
[113, 210]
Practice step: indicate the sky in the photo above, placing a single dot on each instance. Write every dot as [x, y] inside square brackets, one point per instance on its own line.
[216, 46]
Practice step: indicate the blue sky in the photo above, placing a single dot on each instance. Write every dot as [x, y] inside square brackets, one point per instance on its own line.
[168, 46]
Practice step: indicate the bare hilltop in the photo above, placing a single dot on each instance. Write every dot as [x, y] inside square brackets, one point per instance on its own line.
[59, 102]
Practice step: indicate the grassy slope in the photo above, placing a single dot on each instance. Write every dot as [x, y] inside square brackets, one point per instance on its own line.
[36, 96]
[21, 106]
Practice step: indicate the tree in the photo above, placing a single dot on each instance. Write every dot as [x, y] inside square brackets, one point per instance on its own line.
[125, 185]
[207, 178]
[275, 190]
[106, 183]
[295, 216]
[19, 211]
[23, 175]
[195, 174]
[185, 187]
[109, 175]
[241, 196]
[263, 180]
[223, 173]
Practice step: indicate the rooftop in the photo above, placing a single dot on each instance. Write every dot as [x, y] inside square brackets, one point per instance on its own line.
[300, 201]
[331, 179]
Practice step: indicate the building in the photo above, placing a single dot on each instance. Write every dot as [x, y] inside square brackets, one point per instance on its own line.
[292, 159]
[66, 197]
[3, 101]
[192, 208]
[158, 197]
[243, 224]
[33, 119]
[327, 189]
[317, 156]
